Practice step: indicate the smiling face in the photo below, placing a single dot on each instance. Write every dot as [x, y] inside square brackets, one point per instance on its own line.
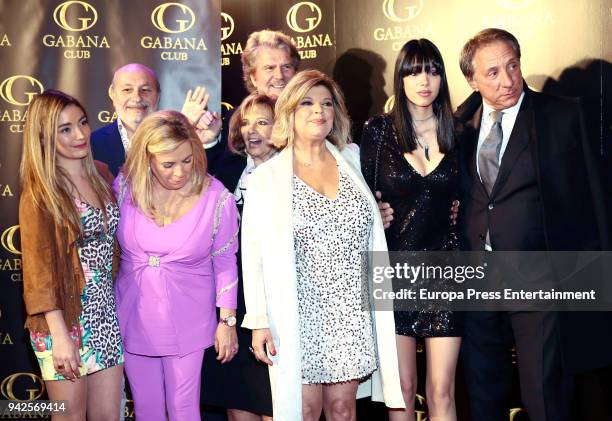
[134, 94]
[72, 136]
[173, 169]
[273, 69]
[497, 75]
[314, 115]
[422, 88]
[256, 129]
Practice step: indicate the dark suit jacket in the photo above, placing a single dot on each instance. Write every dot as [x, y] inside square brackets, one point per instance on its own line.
[223, 164]
[107, 147]
[570, 190]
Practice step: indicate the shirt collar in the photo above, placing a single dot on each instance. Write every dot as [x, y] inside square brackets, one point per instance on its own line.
[124, 134]
[250, 166]
[487, 109]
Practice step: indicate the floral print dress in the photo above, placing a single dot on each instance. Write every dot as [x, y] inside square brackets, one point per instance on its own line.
[97, 334]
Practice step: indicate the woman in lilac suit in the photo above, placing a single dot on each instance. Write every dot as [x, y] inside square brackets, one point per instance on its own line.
[178, 235]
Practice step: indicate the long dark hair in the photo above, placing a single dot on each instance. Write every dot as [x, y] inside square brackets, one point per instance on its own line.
[414, 57]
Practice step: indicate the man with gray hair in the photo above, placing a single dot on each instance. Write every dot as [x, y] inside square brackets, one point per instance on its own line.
[527, 171]
[135, 93]
[269, 61]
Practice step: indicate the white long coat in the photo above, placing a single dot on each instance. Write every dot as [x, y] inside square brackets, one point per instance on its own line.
[270, 288]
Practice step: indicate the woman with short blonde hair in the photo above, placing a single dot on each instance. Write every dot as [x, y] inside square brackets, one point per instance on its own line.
[283, 133]
[236, 140]
[178, 235]
[243, 386]
[308, 219]
[163, 132]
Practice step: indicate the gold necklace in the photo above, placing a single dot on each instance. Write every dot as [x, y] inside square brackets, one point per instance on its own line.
[304, 163]
[167, 215]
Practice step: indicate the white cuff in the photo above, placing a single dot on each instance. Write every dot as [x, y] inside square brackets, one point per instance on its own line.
[213, 143]
[255, 322]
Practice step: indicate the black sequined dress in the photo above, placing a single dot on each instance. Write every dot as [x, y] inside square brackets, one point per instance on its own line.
[421, 218]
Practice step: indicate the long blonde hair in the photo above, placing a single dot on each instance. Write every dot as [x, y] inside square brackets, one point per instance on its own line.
[283, 133]
[41, 178]
[161, 132]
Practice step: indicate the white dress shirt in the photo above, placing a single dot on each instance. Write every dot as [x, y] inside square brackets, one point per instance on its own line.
[125, 140]
[507, 123]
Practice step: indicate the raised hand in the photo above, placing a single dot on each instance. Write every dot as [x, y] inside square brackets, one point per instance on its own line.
[195, 104]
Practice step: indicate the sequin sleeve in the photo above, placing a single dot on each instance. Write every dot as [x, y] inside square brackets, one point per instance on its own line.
[371, 141]
[225, 246]
[368, 154]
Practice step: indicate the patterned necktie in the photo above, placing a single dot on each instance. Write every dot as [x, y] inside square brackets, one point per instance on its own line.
[488, 157]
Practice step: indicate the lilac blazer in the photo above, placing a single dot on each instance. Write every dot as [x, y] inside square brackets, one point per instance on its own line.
[171, 278]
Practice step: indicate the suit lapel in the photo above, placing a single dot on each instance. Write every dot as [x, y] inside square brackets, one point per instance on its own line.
[469, 146]
[118, 148]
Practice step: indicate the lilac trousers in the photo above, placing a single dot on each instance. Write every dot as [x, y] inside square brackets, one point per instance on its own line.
[161, 384]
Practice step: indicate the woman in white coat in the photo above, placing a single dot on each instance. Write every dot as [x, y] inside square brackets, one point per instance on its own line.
[309, 220]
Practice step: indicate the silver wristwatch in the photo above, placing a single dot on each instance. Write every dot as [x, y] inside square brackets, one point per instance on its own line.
[228, 321]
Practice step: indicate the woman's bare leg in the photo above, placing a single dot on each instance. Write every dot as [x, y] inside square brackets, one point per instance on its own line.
[340, 401]
[312, 402]
[406, 356]
[104, 394]
[75, 392]
[240, 415]
[442, 354]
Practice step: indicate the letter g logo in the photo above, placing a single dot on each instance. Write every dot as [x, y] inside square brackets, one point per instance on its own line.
[183, 22]
[227, 106]
[227, 26]
[7, 91]
[311, 22]
[7, 387]
[389, 104]
[86, 19]
[412, 8]
[8, 239]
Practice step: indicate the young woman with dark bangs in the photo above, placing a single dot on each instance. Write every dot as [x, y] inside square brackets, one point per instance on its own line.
[408, 155]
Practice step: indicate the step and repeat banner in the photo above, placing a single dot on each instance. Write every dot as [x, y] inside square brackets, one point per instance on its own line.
[566, 47]
[75, 46]
[566, 50]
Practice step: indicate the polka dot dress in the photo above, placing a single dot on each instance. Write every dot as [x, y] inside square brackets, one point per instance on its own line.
[336, 333]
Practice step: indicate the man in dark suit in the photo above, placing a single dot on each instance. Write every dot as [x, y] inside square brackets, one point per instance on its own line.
[529, 181]
[135, 93]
